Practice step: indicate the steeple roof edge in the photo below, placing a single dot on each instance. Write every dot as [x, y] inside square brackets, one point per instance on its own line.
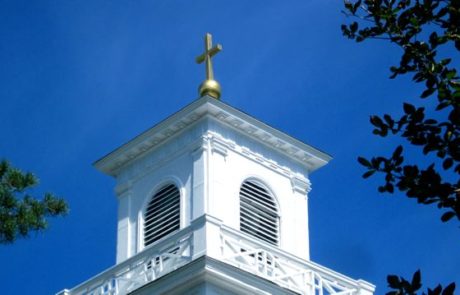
[301, 152]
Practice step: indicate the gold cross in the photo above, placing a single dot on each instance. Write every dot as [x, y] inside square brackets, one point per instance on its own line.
[208, 54]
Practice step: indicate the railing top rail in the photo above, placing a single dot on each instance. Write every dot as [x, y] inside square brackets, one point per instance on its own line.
[324, 272]
[124, 266]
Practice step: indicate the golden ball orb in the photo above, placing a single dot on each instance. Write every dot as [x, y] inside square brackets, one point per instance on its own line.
[211, 88]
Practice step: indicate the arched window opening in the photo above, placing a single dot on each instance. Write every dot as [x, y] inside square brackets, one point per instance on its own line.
[258, 212]
[162, 215]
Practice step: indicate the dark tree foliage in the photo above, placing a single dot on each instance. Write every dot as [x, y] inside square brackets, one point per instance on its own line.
[424, 30]
[402, 286]
[420, 29]
[21, 213]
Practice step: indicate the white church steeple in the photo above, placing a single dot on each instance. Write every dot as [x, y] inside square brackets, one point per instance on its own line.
[220, 162]
[213, 201]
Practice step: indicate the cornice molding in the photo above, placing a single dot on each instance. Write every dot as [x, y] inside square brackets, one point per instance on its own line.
[217, 146]
[122, 188]
[300, 185]
[174, 125]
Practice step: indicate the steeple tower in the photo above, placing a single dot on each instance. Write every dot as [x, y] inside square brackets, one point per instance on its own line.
[214, 201]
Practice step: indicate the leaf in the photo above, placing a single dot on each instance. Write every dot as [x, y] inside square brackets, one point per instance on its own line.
[356, 6]
[419, 115]
[364, 162]
[428, 92]
[430, 121]
[442, 105]
[406, 285]
[348, 6]
[457, 169]
[416, 280]
[345, 31]
[368, 173]
[390, 189]
[376, 121]
[397, 152]
[431, 80]
[408, 108]
[446, 61]
[388, 119]
[354, 27]
[393, 281]
[447, 163]
[447, 216]
[451, 74]
[434, 39]
[449, 290]
[436, 290]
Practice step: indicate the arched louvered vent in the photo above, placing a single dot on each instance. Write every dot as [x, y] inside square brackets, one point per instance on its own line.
[162, 215]
[258, 212]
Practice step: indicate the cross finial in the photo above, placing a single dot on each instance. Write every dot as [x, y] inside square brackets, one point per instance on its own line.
[210, 86]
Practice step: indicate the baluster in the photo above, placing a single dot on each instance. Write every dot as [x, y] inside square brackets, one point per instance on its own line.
[116, 286]
[222, 245]
[264, 256]
[321, 287]
[160, 264]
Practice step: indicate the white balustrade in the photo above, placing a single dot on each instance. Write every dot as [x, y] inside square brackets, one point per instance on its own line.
[225, 244]
[267, 261]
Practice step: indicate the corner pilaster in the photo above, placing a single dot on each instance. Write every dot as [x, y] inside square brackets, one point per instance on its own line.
[199, 194]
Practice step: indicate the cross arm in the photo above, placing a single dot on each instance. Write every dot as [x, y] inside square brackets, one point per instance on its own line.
[211, 53]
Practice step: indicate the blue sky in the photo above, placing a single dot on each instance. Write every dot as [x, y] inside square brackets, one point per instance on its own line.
[80, 78]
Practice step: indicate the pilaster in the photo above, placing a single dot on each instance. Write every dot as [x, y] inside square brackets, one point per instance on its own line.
[199, 193]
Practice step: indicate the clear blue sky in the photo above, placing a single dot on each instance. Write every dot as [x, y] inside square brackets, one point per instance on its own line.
[80, 78]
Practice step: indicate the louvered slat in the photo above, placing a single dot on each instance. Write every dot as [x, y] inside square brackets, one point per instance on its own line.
[161, 195]
[252, 194]
[260, 192]
[162, 215]
[258, 212]
[257, 226]
[173, 213]
[259, 235]
[162, 210]
[248, 212]
[257, 202]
